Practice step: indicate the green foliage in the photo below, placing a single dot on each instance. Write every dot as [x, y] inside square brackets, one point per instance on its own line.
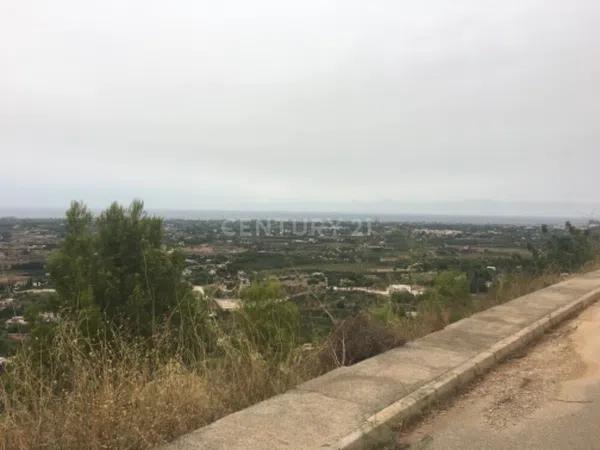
[566, 250]
[6, 346]
[114, 273]
[399, 239]
[386, 313]
[263, 291]
[268, 320]
[116, 269]
[403, 298]
[394, 308]
[70, 266]
[451, 289]
[190, 331]
[478, 278]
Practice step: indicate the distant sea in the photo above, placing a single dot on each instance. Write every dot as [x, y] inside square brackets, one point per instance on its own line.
[43, 213]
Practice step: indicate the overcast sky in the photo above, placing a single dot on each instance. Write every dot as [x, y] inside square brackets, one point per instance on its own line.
[275, 104]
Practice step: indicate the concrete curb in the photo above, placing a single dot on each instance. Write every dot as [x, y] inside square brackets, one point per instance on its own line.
[358, 406]
[377, 427]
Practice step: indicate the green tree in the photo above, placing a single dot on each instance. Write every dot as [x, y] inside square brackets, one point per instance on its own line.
[565, 250]
[116, 271]
[70, 270]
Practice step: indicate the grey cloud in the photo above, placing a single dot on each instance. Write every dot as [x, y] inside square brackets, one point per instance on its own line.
[236, 104]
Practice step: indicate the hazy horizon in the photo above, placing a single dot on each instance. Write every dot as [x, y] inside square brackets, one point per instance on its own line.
[460, 212]
[380, 107]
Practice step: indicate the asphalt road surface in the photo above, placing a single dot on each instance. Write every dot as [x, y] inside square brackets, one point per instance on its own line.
[547, 397]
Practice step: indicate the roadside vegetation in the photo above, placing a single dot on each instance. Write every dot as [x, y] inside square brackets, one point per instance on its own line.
[126, 355]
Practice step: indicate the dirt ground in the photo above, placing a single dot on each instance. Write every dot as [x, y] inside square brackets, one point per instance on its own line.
[547, 380]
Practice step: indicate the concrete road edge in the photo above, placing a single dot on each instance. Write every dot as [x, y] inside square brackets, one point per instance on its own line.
[378, 427]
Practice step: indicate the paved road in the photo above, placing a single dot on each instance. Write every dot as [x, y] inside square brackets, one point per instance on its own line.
[546, 398]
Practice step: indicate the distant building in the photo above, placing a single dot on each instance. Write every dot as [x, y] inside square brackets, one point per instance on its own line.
[16, 320]
[198, 290]
[414, 290]
[438, 233]
[6, 303]
[48, 317]
[228, 304]
[38, 291]
[318, 278]
[243, 280]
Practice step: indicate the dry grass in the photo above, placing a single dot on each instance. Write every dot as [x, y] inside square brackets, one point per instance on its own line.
[120, 396]
[514, 286]
[359, 338]
[109, 399]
